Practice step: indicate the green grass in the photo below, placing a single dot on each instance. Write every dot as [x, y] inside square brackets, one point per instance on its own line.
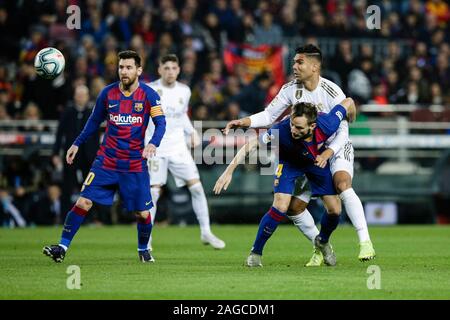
[414, 263]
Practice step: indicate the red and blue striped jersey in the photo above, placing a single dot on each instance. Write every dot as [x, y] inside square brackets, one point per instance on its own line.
[298, 151]
[127, 118]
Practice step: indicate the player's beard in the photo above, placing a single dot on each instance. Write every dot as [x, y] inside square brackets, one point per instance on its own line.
[129, 82]
[303, 136]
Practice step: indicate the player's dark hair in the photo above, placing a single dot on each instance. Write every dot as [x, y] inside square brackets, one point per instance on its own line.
[306, 109]
[310, 50]
[169, 57]
[130, 54]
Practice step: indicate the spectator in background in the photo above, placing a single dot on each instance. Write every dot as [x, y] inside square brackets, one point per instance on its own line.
[289, 25]
[212, 32]
[268, 32]
[201, 112]
[95, 26]
[358, 81]
[70, 125]
[440, 10]
[46, 210]
[343, 62]
[32, 114]
[97, 84]
[441, 72]
[5, 102]
[411, 96]
[436, 94]
[3, 113]
[145, 29]
[252, 97]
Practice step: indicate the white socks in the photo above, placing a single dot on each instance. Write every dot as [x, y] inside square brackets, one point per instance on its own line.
[155, 192]
[305, 223]
[200, 206]
[355, 212]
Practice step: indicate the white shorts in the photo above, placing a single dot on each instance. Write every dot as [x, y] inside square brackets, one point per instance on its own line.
[181, 166]
[342, 161]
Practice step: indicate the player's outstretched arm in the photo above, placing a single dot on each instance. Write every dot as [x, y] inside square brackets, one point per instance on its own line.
[71, 153]
[234, 124]
[350, 107]
[225, 179]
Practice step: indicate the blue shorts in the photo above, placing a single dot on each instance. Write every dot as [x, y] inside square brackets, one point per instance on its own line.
[134, 188]
[320, 179]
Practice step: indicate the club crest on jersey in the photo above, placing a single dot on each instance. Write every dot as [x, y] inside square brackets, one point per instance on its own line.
[138, 106]
[298, 94]
[276, 182]
[159, 91]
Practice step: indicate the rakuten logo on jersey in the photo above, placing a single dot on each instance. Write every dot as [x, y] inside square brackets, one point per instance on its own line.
[124, 120]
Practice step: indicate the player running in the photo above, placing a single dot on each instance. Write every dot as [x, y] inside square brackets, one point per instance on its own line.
[309, 86]
[173, 154]
[121, 162]
[300, 139]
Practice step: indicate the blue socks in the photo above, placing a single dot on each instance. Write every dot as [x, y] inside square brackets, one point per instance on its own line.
[144, 229]
[267, 226]
[74, 219]
[328, 224]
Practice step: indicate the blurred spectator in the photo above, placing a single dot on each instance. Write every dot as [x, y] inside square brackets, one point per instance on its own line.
[71, 123]
[11, 215]
[436, 94]
[252, 97]
[3, 113]
[343, 62]
[268, 32]
[32, 114]
[46, 210]
[358, 84]
[440, 10]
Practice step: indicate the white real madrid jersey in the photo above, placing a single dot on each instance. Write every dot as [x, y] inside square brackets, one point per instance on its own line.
[325, 96]
[175, 103]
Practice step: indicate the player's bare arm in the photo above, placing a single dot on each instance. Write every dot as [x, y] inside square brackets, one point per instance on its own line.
[71, 153]
[234, 124]
[225, 179]
[350, 107]
[321, 159]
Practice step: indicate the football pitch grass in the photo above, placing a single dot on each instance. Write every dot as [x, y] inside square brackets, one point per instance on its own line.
[414, 263]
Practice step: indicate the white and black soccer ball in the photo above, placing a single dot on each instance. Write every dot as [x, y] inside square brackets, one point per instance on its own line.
[49, 63]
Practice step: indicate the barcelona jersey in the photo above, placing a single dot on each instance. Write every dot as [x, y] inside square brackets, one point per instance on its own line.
[297, 156]
[127, 118]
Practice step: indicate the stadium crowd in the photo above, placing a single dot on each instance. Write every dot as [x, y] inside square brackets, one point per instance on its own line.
[414, 70]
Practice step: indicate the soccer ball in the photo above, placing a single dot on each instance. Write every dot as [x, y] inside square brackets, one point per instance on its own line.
[49, 63]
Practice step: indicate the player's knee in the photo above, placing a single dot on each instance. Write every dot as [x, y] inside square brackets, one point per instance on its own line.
[334, 209]
[196, 189]
[281, 206]
[192, 182]
[296, 206]
[143, 215]
[84, 203]
[343, 185]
